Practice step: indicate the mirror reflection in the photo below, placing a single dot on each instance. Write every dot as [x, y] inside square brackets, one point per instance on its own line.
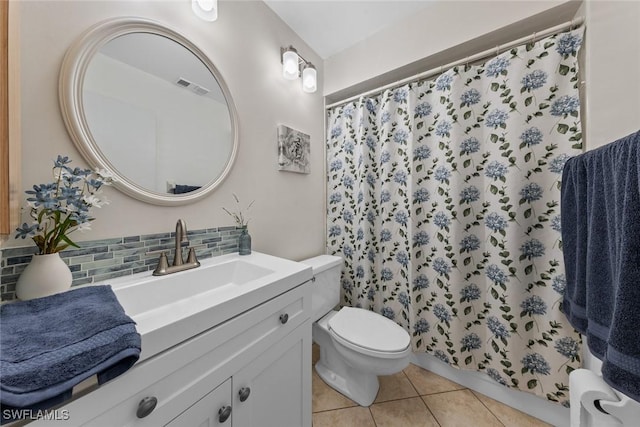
[157, 113]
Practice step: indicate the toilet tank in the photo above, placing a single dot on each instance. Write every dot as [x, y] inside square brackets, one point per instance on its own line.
[326, 287]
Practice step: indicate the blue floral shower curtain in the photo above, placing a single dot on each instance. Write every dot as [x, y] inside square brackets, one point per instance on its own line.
[443, 199]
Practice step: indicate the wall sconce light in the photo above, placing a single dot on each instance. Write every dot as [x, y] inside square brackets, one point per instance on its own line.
[205, 9]
[293, 65]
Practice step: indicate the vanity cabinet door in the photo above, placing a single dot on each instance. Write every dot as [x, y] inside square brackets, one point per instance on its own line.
[274, 390]
[214, 409]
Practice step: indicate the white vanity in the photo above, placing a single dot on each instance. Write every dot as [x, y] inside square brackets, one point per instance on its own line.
[228, 343]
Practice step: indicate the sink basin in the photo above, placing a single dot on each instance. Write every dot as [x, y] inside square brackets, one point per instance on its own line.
[173, 308]
[156, 292]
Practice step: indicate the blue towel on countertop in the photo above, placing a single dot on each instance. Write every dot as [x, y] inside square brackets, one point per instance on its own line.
[50, 344]
[600, 214]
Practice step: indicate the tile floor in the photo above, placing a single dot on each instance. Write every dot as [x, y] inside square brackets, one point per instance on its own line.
[414, 397]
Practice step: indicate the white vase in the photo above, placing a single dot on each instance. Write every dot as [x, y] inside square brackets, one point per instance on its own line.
[45, 275]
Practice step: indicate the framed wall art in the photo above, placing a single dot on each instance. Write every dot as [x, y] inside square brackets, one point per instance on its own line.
[294, 149]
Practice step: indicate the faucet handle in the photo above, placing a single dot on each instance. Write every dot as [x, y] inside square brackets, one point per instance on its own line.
[163, 263]
[191, 258]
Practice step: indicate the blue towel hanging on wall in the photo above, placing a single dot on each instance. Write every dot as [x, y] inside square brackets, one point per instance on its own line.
[50, 344]
[600, 214]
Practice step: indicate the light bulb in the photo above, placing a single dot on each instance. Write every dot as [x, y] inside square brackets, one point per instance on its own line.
[309, 78]
[206, 5]
[290, 64]
[205, 9]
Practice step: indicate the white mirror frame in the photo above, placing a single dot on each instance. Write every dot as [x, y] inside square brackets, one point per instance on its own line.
[72, 72]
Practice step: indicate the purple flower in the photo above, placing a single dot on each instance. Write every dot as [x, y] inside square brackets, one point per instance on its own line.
[565, 105]
[534, 80]
[421, 152]
[536, 364]
[496, 118]
[533, 305]
[470, 145]
[423, 109]
[496, 275]
[404, 299]
[421, 326]
[441, 266]
[531, 192]
[443, 82]
[532, 249]
[531, 136]
[388, 313]
[421, 238]
[470, 342]
[420, 282]
[568, 44]
[470, 97]
[470, 293]
[496, 170]
[400, 95]
[497, 328]
[441, 313]
[496, 66]
[421, 195]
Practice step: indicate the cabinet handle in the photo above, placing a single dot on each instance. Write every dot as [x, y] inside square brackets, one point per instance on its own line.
[284, 318]
[146, 406]
[244, 393]
[224, 413]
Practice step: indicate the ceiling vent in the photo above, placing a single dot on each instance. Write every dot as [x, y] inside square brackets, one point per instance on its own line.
[183, 82]
[198, 90]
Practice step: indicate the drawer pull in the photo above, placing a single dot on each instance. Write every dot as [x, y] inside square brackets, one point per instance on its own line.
[224, 413]
[146, 406]
[284, 318]
[244, 393]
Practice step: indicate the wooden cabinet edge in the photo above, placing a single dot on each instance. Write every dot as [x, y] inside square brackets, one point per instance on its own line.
[10, 150]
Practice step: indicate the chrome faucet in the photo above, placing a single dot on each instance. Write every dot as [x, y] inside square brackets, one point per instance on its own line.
[178, 263]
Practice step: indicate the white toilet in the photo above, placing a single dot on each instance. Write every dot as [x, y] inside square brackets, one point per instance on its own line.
[356, 345]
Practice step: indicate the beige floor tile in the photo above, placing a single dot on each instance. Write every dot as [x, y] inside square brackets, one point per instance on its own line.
[348, 417]
[325, 398]
[403, 413]
[427, 382]
[509, 416]
[460, 408]
[393, 387]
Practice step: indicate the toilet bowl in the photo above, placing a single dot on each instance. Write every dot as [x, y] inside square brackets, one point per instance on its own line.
[356, 345]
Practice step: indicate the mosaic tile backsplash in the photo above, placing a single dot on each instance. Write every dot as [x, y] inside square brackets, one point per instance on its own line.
[100, 260]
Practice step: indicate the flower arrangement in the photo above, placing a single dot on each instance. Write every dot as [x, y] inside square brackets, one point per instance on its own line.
[63, 206]
[241, 220]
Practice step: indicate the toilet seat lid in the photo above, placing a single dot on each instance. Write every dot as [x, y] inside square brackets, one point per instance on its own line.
[369, 330]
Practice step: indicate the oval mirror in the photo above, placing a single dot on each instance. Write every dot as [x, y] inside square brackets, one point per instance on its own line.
[143, 102]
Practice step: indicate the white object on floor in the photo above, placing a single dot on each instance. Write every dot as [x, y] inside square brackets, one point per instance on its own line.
[594, 403]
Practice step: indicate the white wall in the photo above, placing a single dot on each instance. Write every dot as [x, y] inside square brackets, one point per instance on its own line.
[439, 34]
[612, 71]
[244, 43]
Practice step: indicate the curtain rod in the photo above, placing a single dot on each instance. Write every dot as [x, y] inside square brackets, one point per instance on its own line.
[538, 35]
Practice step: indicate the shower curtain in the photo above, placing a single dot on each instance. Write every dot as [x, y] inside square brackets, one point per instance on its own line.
[443, 200]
